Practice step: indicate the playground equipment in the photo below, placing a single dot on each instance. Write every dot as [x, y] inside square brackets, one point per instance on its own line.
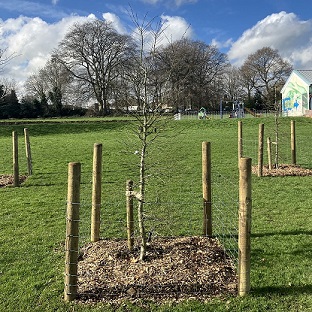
[238, 110]
[202, 113]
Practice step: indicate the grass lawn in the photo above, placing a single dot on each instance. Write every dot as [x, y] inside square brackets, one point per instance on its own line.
[32, 217]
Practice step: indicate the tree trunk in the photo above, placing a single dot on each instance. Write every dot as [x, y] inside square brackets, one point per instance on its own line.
[142, 189]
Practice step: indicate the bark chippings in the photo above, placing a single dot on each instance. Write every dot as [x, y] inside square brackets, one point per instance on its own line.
[6, 180]
[284, 170]
[175, 269]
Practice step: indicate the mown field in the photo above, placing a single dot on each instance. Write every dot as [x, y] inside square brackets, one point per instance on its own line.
[32, 217]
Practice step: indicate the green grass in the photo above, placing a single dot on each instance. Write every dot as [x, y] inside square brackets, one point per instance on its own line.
[32, 217]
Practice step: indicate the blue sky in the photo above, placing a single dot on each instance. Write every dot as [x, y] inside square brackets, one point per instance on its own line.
[31, 29]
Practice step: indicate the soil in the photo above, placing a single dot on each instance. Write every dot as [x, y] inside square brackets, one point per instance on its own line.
[175, 269]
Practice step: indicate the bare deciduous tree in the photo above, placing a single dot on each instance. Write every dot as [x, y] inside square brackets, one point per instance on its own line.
[5, 58]
[93, 52]
[192, 68]
[264, 70]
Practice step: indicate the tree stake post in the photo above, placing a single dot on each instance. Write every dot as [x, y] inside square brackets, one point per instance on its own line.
[15, 159]
[244, 231]
[293, 142]
[260, 149]
[28, 151]
[130, 221]
[206, 181]
[96, 192]
[240, 140]
[269, 144]
[72, 231]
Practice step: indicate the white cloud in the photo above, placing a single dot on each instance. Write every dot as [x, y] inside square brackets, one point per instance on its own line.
[54, 2]
[32, 40]
[171, 28]
[175, 28]
[282, 31]
[115, 21]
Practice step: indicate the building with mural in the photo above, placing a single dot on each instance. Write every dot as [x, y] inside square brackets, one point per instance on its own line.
[297, 93]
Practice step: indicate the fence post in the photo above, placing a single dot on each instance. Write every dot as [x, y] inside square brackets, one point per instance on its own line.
[72, 231]
[130, 221]
[260, 149]
[240, 140]
[269, 144]
[245, 203]
[206, 181]
[28, 151]
[15, 159]
[96, 192]
[293, 142]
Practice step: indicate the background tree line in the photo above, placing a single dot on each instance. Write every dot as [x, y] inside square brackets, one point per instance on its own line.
[95, 66]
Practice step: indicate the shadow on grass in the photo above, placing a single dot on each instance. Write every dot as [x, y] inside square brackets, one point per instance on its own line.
[283, 290]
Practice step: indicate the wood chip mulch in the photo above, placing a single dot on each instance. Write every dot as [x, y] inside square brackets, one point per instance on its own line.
[284, 170]
[6, 180]
[175, 269]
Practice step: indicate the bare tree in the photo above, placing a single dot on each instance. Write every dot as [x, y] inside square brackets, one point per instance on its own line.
[266, 71]
[142, 80]
[192, 68]
[53, 81]
[5, 58]
[94, 52]
[232, 81]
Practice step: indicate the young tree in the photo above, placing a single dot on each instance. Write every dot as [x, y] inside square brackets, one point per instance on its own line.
[141, 79]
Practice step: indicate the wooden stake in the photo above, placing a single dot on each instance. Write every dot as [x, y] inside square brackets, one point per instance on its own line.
[269, 143]
[206, 181]
[96, 192]
[28, 151]
[72, 231]
[244, 231]
[130, 221]
[260, 149]
[15, 159]
[240, 140]
[293, 142]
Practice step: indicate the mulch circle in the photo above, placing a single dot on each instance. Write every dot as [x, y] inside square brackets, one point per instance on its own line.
[175, 269]
[284, 170]
[7, 180]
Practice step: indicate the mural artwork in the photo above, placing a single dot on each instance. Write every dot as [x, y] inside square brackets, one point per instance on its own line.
[295, 97]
